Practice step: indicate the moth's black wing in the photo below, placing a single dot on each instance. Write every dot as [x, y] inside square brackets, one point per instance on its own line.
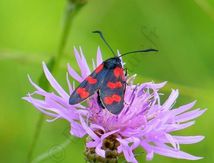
[113, 89]
[89, 86]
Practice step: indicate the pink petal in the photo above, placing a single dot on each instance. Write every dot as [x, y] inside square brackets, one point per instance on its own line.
[149, 151]
[77, 130]
[118, 54]
[88, 130]
[128, 150]
[155, 85]
[95, 126]
[36, 105]
[177, 127]
[174, 154]
[171, 100]
[82, 66]
[105, 135]
[188, 139]
[183, 108]
[92, 144]
[165, 150]
[189, 115]
[87, 70]
[35, 85]
[135, 141]
[172, 141]
[150, 155]
[74, 74]
[99, 57]
[93, 64]
[129, 155]
[79, 61]
[99, 150]
[69, 84]
[54, 83]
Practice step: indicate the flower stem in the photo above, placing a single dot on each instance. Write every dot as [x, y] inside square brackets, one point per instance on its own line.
[52, 151]
[53, 64]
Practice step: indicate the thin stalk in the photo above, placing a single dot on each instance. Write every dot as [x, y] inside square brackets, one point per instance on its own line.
[52, 151]
[70, 12]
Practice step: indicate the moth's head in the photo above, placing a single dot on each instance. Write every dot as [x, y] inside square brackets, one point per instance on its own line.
[117, 60]
[111, 63]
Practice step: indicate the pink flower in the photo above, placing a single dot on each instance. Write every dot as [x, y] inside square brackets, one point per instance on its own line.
[144, 121]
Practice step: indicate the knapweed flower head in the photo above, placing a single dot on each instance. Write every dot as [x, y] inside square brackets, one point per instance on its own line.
[144, 122]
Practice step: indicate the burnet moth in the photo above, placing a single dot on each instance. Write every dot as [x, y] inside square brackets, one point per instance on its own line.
[108, 80]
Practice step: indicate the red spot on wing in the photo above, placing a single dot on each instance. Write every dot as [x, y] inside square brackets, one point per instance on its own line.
[116, 98]
[83, 93]
[118, 71]
[110, 99]
[99, 68]
[114, 85]
[91, 80]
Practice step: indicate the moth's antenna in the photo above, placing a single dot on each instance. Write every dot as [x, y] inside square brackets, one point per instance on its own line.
[101, 36]
[139, 51]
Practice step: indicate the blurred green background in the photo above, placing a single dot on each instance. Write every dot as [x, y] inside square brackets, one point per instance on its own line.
[30, 31]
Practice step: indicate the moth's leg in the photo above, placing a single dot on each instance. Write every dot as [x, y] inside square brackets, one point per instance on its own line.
[99, 100]
[126, 71]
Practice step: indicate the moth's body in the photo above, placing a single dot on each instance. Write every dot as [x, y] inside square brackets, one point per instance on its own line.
[109, 79]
